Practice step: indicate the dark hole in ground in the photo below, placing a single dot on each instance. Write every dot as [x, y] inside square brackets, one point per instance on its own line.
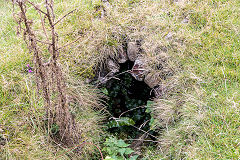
[127, 100]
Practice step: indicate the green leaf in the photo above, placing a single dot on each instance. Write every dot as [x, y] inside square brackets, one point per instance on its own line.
[129, 151]
[122, 151]
[110, 151]
[134, 157]
[149, 106]
[150, 103]
[121, 143]
[105, 91]
[117, 149]
[109, 158]
[151, 121]
[148, 110]
[118, 158]
[123, 121]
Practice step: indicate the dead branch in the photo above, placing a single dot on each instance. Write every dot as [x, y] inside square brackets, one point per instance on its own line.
[64, 16]
[49, 75]
[43, 25]
[34, 47]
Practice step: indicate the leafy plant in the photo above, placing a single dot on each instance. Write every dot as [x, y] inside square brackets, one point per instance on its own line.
[118, 122]
[117, 149]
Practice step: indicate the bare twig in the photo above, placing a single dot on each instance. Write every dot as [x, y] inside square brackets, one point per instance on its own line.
[104, 79]
[142, 140]
[36, 7]
[49, 76]
[69, 43]
[131, 110]
[43, 25]
[64, 16]
[43, 42]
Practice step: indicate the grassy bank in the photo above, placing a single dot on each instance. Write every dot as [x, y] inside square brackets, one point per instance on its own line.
[198, 114]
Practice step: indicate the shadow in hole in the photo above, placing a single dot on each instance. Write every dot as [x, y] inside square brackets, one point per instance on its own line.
[128, 98]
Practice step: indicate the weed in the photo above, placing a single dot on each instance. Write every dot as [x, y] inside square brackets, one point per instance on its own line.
[117, 149]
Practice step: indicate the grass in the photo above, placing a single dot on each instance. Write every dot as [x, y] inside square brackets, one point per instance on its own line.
[199, 113]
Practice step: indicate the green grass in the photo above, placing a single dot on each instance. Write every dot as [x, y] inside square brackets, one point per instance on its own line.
[212, 55]
[203, 53]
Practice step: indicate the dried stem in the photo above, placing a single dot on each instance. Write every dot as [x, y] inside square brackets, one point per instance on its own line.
[33, 43]
[43, 42]
[43, 25]
[64, 16]
[35, 7]
[68, 44]
[49, 75]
